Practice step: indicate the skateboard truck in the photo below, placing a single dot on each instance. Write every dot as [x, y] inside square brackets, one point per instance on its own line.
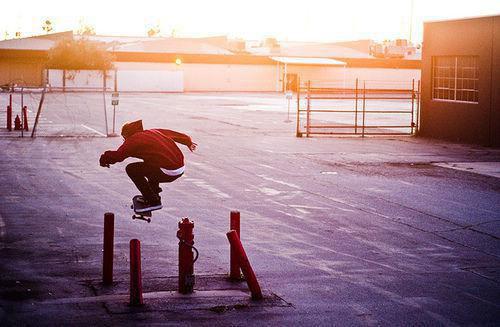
[141, 217]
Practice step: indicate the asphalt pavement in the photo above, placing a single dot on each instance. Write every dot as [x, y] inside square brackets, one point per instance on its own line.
[339, 231]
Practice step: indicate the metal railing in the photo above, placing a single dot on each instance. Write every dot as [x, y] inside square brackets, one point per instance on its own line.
[327, 110]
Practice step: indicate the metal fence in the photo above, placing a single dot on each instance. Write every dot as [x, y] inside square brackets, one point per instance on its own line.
[362, 108]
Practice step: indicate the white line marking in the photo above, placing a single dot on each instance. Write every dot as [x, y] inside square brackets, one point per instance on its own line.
[269, 191]
[202, 184]
[278, 181]
[307, 207]
[2, 227]
[93, 130]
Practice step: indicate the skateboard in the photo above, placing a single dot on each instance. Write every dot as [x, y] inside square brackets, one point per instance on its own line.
[136, 205]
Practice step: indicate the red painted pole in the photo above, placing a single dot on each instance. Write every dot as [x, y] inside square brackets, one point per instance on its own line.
[25, 116]
[186, 269]
[107, 257]
[234, 273]
[135, 273]
[9, 113]
[246, 268]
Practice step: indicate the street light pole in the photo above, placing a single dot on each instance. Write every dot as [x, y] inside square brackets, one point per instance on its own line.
[411, 19]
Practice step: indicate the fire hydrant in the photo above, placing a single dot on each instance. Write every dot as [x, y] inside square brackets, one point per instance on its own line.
[17, 123]
[186, 257]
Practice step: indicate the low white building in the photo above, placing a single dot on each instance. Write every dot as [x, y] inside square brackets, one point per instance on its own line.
[206, 64]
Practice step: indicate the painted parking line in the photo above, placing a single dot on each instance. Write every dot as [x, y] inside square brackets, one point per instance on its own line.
[93, 130]
[2, 227]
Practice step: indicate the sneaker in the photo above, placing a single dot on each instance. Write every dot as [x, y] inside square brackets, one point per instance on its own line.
[140, 199]
[150, 205]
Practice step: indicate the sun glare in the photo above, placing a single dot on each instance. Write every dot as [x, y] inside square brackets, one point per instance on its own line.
[285, 20]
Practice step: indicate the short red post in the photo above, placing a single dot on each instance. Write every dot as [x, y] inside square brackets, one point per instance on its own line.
[9, 113]
[234, 273]
[135, 273]
[9, 118]
[25, 118]
[107, 257]
[186, 260]
[246, 268]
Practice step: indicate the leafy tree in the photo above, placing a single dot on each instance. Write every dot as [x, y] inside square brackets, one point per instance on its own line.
[47, 26]
[154, 31]
[79, 54]
[86, 30]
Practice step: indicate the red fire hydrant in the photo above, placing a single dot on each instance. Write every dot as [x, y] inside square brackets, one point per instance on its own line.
[17, 123]
[186, 257]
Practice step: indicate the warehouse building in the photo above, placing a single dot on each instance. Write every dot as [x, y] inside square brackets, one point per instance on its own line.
[144, 64]
[461, 80]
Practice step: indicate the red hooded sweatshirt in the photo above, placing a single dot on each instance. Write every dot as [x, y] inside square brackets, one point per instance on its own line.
[155, 146]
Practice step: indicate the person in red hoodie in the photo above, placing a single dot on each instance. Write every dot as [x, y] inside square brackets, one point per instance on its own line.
[163, 161]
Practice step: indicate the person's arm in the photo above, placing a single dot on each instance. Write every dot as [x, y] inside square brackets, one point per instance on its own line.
[179, 138]
[123, 152]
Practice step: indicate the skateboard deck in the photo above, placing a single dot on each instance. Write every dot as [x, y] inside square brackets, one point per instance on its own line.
[136, 205]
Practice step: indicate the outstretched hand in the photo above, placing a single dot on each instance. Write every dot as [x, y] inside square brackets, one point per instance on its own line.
[193, 146]
[103, 162]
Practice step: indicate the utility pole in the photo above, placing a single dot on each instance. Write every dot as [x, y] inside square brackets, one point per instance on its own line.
[411, 19]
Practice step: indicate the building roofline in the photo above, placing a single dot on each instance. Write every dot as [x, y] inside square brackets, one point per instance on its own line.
[461, 18]
[42, 55]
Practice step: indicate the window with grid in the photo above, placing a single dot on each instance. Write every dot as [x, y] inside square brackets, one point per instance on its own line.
[455, 78]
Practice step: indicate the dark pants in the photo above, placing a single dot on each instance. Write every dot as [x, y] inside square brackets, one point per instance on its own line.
[147, 178]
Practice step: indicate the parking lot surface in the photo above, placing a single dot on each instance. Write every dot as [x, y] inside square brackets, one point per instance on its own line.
[340, 231]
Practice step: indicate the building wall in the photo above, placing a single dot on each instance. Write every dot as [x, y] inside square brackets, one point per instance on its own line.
[220, 77]
[26, 73]
[213, 77]
[78, 80]
[495, 86]
[464, 122]
[317, 74]
[346, 76]
[383, 78]
[149, 77]
[268, 78]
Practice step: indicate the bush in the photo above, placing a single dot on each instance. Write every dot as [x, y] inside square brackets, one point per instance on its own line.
[79, 55]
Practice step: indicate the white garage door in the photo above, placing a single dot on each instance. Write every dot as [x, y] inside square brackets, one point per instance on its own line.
[150, 80]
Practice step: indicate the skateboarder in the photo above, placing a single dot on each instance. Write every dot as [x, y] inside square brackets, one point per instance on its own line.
[163, 161]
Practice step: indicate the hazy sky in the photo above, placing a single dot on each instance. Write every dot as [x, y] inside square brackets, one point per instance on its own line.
[306, 20]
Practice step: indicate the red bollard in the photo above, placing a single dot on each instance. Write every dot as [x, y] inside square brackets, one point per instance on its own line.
[246, 268]
[234, 273]
[135, 273]
[9, 113]
[107, 256]
[9, 118]
[25, 118]
[186, 261]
